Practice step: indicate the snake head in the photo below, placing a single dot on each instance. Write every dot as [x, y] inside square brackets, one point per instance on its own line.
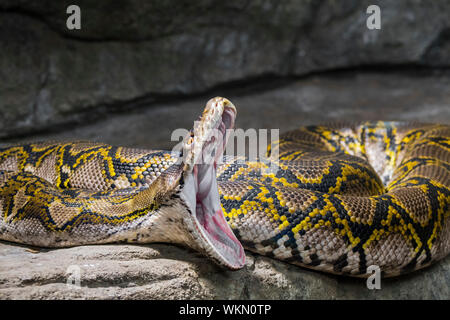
[203, 148]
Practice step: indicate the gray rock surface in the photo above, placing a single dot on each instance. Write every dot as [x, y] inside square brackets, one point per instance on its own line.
[286, 105]
[161, 271]
[132, 52]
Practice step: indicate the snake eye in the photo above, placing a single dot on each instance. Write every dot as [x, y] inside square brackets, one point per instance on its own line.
[190, 140]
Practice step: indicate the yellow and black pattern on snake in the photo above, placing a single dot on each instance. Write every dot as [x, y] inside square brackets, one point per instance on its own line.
[343, 197]
[325, 208]
[50, 190]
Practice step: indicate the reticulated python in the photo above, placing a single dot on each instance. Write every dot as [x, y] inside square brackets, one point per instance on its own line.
[344, 197]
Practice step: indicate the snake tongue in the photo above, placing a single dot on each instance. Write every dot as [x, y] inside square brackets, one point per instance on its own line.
[203, 149]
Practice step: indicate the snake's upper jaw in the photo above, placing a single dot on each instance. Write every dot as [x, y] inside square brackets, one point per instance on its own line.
[202, 148]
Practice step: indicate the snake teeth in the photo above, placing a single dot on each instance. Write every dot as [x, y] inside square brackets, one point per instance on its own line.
[218, 115]
[203, 147]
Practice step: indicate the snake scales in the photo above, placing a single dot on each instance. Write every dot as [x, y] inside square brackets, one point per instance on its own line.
[344, 197]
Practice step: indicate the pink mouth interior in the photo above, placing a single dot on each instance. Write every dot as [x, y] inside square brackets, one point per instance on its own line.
[208, 211]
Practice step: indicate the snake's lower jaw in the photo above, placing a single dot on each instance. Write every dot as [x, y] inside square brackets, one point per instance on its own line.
[210, 233]
[199, 192]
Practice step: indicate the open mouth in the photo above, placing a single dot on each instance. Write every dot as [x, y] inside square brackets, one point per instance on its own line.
[203, 150]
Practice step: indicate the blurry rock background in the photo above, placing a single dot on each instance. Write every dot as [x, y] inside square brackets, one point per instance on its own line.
[132, 52]
[139, 69]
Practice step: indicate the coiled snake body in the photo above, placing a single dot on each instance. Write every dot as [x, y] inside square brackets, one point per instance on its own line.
[343, 197]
